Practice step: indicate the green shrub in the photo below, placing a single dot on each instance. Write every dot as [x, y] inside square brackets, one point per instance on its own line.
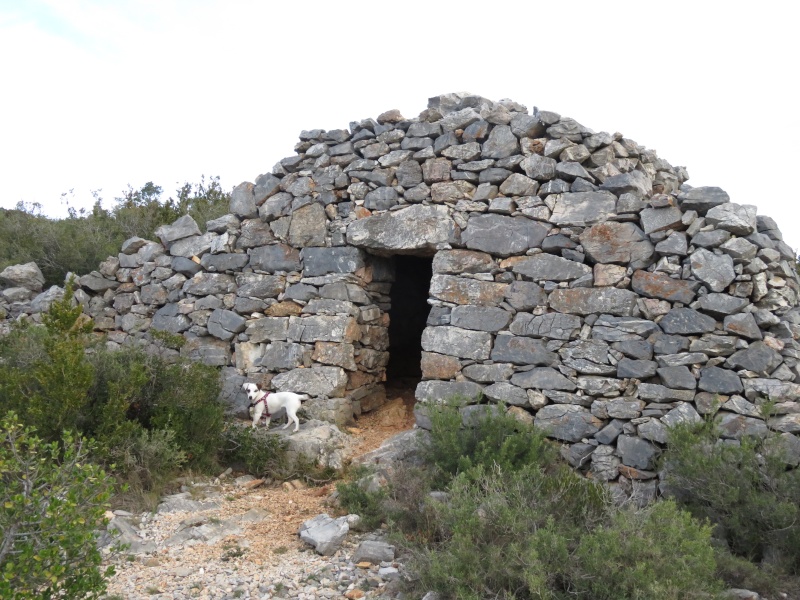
[509, 534]
[261, 454]
[44, 375]
[358, 497]
[133, 385]
[744, 489]
[656, 553]
[491, 438]
[52, 501]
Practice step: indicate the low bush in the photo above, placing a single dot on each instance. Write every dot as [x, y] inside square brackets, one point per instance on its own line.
[52, 502]
[260, 454]
[659, 552]
[743, 488]
[490, 437]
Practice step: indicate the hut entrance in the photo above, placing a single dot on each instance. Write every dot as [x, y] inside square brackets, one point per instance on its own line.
[408, 316]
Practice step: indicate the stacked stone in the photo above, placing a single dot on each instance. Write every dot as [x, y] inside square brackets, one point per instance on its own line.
[576, 278]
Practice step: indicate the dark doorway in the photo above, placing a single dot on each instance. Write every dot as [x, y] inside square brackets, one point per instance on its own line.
[407, 318]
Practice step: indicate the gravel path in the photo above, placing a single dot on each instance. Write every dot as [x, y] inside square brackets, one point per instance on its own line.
[266, 559]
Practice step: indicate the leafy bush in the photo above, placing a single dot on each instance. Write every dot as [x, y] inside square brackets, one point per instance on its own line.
[52, 501]
[509, 533]
[84, 239]
[44, 374]
[262, 455]
[658, 552]
[744, 489]
[358, 496]
[490, 438]
[149, 416]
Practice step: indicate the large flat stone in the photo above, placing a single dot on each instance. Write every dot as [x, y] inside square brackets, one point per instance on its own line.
[621, 243]
[663, 287]
[586, 301]
[455, 341]
[417, 229]
[550, 267]
[522, 351]
[686, 321]
[567, 422]
[583, 208]
[460, 290]
[503, 236]
[715, 270]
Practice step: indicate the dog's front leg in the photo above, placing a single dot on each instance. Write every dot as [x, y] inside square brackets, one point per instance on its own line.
[257, 415]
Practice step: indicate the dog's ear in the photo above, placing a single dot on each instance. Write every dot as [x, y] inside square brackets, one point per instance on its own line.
[258, 387]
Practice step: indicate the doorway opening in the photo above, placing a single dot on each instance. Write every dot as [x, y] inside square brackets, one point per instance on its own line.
[407, 319]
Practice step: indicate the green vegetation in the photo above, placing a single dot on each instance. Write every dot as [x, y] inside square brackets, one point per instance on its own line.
[744, 489]
[494, 512]
[52, 500]
[84, 239]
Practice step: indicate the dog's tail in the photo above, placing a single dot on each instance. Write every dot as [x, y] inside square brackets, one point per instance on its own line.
[304, 397]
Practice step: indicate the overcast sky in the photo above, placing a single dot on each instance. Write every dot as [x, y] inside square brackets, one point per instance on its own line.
[99, 95]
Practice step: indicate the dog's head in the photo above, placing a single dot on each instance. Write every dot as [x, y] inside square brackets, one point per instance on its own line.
[252, 390]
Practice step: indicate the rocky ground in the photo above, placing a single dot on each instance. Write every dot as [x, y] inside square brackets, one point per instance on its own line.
[239, 538]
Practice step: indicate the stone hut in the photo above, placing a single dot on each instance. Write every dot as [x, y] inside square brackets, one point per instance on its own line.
[489, 252]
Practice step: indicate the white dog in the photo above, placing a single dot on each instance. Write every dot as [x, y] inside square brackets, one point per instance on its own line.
[268, 403]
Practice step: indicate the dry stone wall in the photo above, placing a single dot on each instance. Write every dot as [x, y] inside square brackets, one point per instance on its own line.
[576, 278]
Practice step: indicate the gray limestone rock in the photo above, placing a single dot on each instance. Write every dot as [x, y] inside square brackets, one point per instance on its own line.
[525, 295]
[638, 369]
[445, 391]
[316, 381]
[224, 324]
[550, 267]
[636, 452]
[324, 533]
[507, 393]
[539, 167]
[207, 350]
[583, 208]
[744, 325]
[635, 182]
[621, 243]
[455, 341]
[586, 301]
[686, 321]
[567, 422]
[551, 325]
[652, 392]
[664, 287]
[715, 270]
[522, 351]
[489, 373]
[734, 426]
[661, 219]
[757, 357]
[462, 261]
[720, 305]
[480, 318]
[543, 378]
[169, 318]
[739, 219]
[27, 276]
[503, 236]
[467, 291]
[678, 377]
[417, 229]
[243, 201]
[321, 261]
[501, 143]
[182, 228]
[702, 199]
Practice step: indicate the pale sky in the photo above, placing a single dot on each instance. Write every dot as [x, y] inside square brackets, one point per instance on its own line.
[99, 95]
